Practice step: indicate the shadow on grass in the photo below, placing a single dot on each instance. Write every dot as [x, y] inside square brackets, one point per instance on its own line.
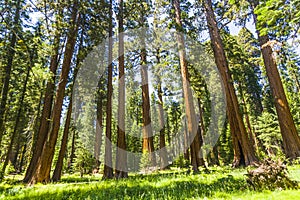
[98, 177]
[174, 189]
[79, 179]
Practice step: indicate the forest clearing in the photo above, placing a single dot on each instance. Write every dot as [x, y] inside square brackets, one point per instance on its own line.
[149, 99]
[219, 183]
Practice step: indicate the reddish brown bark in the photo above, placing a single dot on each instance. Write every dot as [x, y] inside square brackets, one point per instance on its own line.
[148, 146]
[238, 157]
[251, 134]
[121, 158]
[186, 152]
[237, 125]
[99, 124]
[108, 171]
[188, 98]
[59, 164]
[42, 172]
[162, 141]
[63, 147]
[46, 113]
[290, 137]
[200, 134]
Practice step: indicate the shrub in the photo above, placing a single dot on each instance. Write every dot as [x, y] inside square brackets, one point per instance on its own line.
[270, 175]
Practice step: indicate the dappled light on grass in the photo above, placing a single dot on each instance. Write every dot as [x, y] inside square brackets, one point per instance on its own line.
[221, 183]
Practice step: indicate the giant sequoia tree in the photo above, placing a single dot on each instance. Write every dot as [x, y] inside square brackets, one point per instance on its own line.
[188, 98]
[42, 171]
[291, 139]
[148, 145]
[121, 159]
[243, 150]
[108, 171]
[48, 101]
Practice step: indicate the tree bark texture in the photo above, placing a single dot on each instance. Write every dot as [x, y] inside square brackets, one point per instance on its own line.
[290, 137]
[237, 125]
[108, 171]
[121, 157]
[188, 98]
[42, 171]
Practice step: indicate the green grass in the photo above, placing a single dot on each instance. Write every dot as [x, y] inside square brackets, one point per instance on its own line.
[220, 183]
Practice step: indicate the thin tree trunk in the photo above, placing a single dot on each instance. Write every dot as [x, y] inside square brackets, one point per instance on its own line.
[162, 141]
[250, 132]
[8, 67]
[290, 137]
[99, 124]
[200, 133]
[186, 152]
[237, 125]
[188, 98]
[201, 115]
[18, 117]
[59, 164]
[121, 157]
[62, 152]
[14, 161]
[72, 154]
[108, 171]
[296, 78]
[42, 172]
[22, 158]
[168, 130]
[36, 124]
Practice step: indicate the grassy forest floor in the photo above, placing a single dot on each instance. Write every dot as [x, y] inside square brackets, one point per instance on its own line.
[219, 183]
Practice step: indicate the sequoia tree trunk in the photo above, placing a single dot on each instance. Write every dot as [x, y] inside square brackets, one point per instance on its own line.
[59, 164]
[237, 125]
[108, 171]
[186, 152]
[42, 171]
[63, 147]
[162, 140]
[72, 154]
[121, 157]
[290, 137]
[99, 123]
[251, 133]
[148, 146]
[46, 112]
[200, 134]
[187, 92]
